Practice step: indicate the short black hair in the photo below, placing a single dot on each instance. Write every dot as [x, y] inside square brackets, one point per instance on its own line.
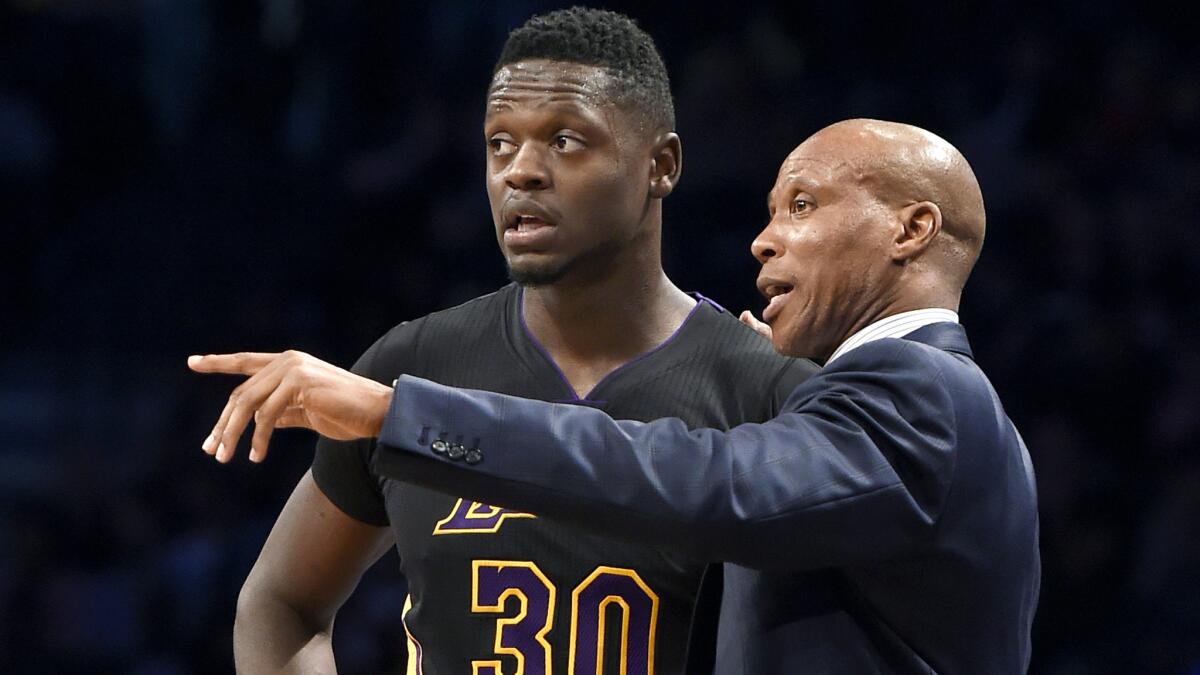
[598, 37]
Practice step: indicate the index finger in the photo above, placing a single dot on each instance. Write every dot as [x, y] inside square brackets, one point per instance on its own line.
[242, 363]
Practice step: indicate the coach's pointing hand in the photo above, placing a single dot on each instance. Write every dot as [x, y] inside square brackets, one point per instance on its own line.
[291, 389]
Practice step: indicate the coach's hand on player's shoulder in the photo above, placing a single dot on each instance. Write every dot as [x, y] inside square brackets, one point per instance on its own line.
[291, 389]
[759, 327]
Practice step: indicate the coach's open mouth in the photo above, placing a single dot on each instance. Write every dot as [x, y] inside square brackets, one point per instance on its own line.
[777, 294]
[773, 291]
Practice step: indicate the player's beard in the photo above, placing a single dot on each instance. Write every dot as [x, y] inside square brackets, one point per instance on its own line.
[536, 275]
[584, 268]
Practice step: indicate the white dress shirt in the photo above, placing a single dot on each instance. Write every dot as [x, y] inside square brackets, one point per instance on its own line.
[894, 326]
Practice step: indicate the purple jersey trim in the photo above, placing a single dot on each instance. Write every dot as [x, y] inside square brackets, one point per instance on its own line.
[567, 383]
[593, 403]
[710, 301]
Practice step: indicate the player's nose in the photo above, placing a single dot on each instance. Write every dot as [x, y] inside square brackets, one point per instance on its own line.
[528, 170]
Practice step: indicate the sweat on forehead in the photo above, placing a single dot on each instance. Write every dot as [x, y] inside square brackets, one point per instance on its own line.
[592, 83]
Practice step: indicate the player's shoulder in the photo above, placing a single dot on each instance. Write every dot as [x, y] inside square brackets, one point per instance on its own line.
[408, 343]
[733, 340]
[474, 316]
[744, 356]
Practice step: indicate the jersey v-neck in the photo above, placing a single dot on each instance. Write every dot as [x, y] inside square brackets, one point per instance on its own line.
[536, 358]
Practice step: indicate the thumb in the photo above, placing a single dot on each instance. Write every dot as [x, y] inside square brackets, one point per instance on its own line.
[757, 326]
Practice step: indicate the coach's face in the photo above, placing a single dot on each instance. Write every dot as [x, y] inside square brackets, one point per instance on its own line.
[566, 171]
[826, 254]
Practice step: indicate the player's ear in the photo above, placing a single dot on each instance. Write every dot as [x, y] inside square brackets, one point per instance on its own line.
[919, 225]
[666, 163]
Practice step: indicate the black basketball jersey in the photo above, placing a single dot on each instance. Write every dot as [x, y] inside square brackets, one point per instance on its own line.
[495, 591]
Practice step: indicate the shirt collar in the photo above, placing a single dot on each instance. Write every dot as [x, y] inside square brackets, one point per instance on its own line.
[894, 326]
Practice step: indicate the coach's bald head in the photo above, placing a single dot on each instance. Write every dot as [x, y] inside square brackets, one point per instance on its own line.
[868, 219]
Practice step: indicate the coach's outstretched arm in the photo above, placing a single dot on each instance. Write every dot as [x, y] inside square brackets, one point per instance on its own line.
[856, 469]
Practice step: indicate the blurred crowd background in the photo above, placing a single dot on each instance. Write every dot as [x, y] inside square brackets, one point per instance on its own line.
[183, 176]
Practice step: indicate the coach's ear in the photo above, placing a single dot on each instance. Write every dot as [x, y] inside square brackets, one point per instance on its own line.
[919, 224]
[666, 163]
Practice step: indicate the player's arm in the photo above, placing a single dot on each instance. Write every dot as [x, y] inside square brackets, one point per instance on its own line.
[312, 560]
[318, 549]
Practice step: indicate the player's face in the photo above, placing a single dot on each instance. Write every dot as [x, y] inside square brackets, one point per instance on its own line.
[567, 172]
[825, 252]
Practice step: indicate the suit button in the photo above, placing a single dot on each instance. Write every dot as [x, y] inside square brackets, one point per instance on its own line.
[456, 451]
[474, 456]
[440, 446]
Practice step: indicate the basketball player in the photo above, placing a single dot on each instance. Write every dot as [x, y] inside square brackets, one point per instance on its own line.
[580, 155]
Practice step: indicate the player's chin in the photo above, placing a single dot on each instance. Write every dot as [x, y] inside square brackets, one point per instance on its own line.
[526, 270]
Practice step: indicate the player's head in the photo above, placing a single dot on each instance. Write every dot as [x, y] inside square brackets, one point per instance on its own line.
[868, 219]
[581, 148]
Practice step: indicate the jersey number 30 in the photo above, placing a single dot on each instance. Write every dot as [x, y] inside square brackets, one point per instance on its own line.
[523, 636]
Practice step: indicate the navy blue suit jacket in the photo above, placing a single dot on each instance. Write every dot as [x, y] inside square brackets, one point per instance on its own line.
[885, 521]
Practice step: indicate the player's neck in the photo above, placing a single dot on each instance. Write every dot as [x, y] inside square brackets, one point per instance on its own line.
[606, 321]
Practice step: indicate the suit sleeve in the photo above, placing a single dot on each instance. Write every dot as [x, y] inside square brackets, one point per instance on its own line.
[855, 469]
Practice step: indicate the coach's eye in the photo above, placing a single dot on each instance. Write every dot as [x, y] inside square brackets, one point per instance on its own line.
[801, 205]
[501, 147]
[567, 143]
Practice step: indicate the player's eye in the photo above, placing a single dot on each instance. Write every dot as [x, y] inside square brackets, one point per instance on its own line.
[567, 143]
[501, 147]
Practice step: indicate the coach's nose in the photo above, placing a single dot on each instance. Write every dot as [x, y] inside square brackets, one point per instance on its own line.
[766, 245]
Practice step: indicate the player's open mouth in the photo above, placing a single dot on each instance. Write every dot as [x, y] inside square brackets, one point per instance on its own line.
[778, 294]
[524, 223]
[528, 231]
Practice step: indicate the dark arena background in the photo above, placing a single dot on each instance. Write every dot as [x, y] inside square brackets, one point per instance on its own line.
[188, 176]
